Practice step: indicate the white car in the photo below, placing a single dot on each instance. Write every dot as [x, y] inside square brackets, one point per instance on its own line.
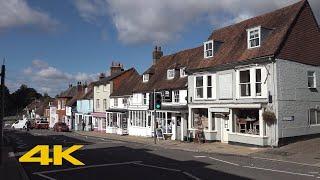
[20, 124]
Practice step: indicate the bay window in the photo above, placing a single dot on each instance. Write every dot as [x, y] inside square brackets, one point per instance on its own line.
[199, 87]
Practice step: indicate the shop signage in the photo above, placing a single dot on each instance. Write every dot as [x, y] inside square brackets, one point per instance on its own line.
[288, 118]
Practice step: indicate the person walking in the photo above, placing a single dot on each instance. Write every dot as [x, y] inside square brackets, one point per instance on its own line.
[83, 125]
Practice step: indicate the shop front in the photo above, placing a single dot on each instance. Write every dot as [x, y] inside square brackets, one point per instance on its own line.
[117, 122]
[99, 121]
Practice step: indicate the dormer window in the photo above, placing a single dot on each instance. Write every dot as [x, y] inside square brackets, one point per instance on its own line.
[254, 37]
[145, 78]
[183, 72]
[170, 73]
[208, 49]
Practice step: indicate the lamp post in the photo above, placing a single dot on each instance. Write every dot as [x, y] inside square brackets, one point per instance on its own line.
[2, 109]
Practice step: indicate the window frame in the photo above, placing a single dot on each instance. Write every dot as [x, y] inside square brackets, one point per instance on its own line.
[256, 82]
[316, 116]
[200, 87]
[183, 72]
[98, 103]
[249, 83]
[205, 50]
[104, 104]
[115, 102]
[144, 99]
[207, 86]
[314, 79]
[176, 96]
[145, 78]
[170, 72]
[249, 39]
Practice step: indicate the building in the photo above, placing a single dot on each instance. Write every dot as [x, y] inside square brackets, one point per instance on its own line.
[166, 76]
[258, 80]
[84, 109]
[102, 91]
[120, 99]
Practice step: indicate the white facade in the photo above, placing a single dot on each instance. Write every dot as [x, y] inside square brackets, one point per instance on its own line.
[234, 111]
[101, 102]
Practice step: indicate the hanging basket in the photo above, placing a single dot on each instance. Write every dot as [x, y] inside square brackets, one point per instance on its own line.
[269, 117]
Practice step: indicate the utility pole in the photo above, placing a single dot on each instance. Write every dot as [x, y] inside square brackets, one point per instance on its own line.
[2, 109]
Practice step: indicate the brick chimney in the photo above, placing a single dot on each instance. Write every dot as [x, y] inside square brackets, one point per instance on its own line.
[115, 68]
[156, 54]
[79, 86]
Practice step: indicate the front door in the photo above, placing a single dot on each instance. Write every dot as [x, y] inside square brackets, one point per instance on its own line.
[225, 127]
[178, 131]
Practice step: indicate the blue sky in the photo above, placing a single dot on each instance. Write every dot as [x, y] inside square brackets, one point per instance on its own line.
[51, 43]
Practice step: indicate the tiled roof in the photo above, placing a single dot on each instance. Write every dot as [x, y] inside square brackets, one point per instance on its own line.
[234, 47]
[107, 79]
[69, 93]
[189, 58]
[126, 86]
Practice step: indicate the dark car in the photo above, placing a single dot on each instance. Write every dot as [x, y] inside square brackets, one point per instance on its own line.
[61, 127]
[41, 125]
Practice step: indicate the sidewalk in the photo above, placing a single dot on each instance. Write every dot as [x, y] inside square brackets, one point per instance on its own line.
[214, 147]
[10, 167]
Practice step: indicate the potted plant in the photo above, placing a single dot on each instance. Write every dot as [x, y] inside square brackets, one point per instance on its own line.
[269, 117]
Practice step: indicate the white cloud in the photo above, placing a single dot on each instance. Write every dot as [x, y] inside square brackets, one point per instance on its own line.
[46, 78]
[161, 21]
[16, 13]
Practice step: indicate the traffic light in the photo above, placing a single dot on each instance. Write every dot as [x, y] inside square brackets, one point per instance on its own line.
[158, 101]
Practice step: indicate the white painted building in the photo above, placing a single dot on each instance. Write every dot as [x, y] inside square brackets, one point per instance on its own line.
[262, 66]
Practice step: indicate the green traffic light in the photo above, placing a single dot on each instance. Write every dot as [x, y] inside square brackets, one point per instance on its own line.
[158, 106]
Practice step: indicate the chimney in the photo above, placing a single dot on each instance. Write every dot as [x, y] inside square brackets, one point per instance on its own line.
[80, 87]
[101, 76]
[116, 67]
[156, 54]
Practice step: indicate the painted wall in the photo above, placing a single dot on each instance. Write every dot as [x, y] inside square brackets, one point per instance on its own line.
[85, 106]
[101, 92]
[295, 98]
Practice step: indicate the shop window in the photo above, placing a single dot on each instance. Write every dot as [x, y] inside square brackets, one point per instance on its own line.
[245, 83]
[112, 119]
[199, 119]
[199, 87]
[213, 121]
[164, 121]
[247, 121]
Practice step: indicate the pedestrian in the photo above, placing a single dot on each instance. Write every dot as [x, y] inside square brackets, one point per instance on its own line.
[83, 125]
[28, 124]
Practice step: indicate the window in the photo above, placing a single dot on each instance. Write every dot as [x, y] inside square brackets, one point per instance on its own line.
[63, 104]
[209, 87]
[254, 37]
[199, 118]
[213, 121]
[104, 103]
[311, 79]
[138, 118]
[208, 49]
[125, 101]
[183, 72]
[115, 102]
[144, 98]
[145, 77]
[258, 82]
[164, 120]
[176, 96]
[105, 88]
[59, 104]
[170, 73]
[245, 83]
[314, 117]
[246, 121]
[199, 87]
[97, 103]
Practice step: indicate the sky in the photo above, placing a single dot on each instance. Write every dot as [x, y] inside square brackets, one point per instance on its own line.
[49, 44]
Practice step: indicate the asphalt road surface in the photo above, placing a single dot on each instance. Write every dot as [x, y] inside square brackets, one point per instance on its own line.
[109, 159]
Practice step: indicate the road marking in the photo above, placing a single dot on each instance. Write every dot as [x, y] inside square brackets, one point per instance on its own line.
[274, 170]
[190, 175]
[158, 167]
[318, 177]
[224, 161]
[305, 164]
[44, 176]
[86, 167]
[314, 172]
[199, 156]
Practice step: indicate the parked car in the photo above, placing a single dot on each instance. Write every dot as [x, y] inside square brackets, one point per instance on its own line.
[41, 124]
[61, 127]
[20, 124]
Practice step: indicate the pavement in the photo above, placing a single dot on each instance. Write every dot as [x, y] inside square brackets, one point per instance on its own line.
[212, 147]
[107, 158]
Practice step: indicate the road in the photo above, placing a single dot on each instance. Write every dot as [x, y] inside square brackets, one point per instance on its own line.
[110, 159]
